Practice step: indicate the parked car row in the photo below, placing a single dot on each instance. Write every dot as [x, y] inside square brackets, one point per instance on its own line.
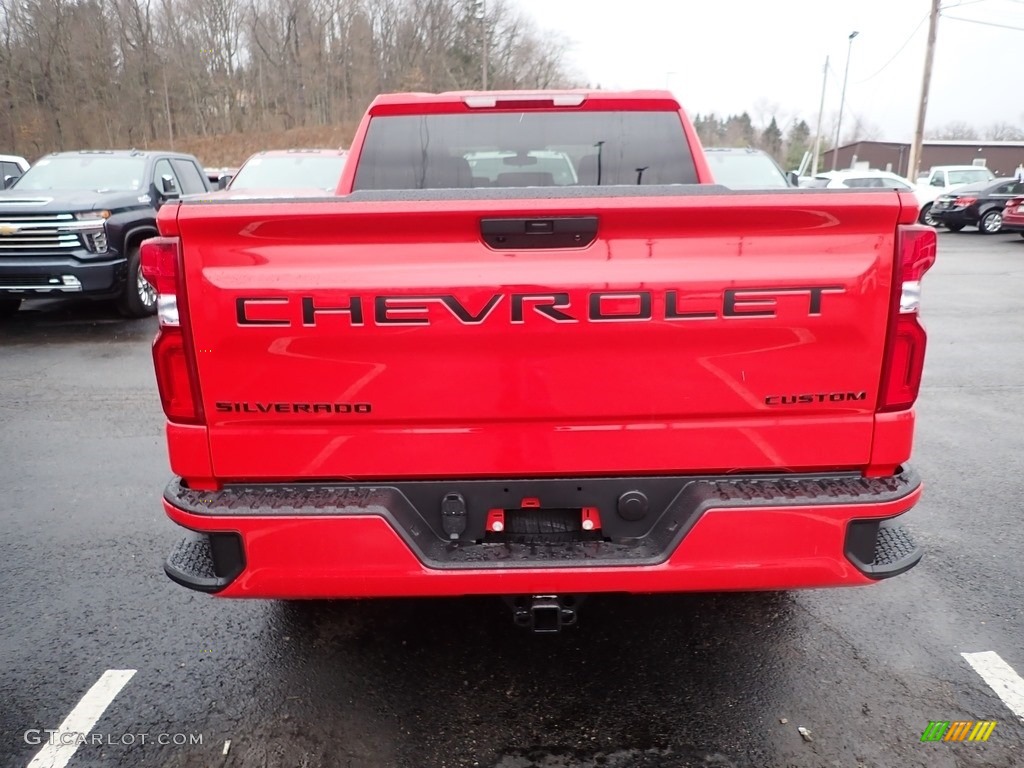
[977, 205]
[858, 179]
[952, 196]
[72, 224]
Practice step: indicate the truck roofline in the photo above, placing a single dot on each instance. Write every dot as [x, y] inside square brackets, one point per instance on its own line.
[638, 99]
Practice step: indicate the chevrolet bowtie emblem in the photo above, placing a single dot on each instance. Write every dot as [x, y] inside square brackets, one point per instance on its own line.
[8, 229]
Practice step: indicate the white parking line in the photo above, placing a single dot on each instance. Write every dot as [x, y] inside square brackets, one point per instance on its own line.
[1001, 678]
[83, 717]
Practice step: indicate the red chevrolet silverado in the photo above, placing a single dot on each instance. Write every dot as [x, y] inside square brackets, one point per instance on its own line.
[531, 349]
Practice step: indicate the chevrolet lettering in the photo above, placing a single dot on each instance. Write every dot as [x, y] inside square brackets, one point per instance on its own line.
[557, 306]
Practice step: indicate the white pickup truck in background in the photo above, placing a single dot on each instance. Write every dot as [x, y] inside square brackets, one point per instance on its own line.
[941, 179]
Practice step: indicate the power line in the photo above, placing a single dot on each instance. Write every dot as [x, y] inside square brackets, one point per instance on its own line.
[846, 101]
[984, 23]
[858, 115]
[898, 52]
[918, 26]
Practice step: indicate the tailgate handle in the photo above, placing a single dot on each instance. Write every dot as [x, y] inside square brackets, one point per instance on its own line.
[539, 232]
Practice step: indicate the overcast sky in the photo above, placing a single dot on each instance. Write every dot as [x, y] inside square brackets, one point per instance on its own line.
[728, 56]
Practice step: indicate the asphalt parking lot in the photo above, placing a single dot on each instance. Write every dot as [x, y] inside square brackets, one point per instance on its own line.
[692, 680]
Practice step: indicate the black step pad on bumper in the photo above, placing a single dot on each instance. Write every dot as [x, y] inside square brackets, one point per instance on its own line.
[206, 562]
[673, 505]
[881, 549]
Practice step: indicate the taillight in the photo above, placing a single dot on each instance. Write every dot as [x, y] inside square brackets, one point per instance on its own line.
[905, 343]
[173, 356]
[964, 202]
[159, 257]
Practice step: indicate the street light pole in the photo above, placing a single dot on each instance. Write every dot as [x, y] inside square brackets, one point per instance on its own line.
[842, 100]
[817, 131]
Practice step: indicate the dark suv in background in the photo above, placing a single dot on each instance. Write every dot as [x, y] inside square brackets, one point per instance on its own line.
[72, 225]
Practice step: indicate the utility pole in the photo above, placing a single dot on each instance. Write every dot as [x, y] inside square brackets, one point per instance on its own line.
[817, 132]
[922, 108]
[842, 100]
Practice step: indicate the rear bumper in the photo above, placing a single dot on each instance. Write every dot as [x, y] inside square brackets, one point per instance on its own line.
[27, 276]
[961, 216]
[1014, 224]
[699, 534]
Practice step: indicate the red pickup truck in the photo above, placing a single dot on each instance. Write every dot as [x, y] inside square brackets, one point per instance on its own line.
[531, 349]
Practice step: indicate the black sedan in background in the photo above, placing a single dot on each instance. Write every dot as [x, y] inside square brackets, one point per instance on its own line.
[976, 205]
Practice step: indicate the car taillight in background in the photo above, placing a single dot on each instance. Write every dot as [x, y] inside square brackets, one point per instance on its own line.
[173, 353]
[964, 202]
[905, 344]
[1015, 204]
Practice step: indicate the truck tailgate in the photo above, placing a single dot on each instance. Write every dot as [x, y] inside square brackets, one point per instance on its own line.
[376, 339]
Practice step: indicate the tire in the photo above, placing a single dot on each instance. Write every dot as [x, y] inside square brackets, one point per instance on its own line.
[925, 217]
[954, 227]
[139, 297]
[9, 306]
[991, 223]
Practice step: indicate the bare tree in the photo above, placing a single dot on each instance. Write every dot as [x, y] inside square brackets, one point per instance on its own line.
[1004, 132]
[861, 129]
[956, 130]
[101, 73]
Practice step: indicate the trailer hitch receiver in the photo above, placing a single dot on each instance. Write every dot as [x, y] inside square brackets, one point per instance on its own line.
[545, 614]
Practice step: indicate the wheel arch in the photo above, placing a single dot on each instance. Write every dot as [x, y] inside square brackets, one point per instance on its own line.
[137, 234]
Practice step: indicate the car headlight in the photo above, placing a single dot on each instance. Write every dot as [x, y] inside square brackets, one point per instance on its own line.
[92, 230]
[92, 215]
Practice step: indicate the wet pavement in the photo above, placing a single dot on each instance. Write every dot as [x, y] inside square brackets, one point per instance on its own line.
[690, 680]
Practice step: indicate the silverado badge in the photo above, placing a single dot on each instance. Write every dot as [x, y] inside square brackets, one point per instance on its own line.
[8, 229]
